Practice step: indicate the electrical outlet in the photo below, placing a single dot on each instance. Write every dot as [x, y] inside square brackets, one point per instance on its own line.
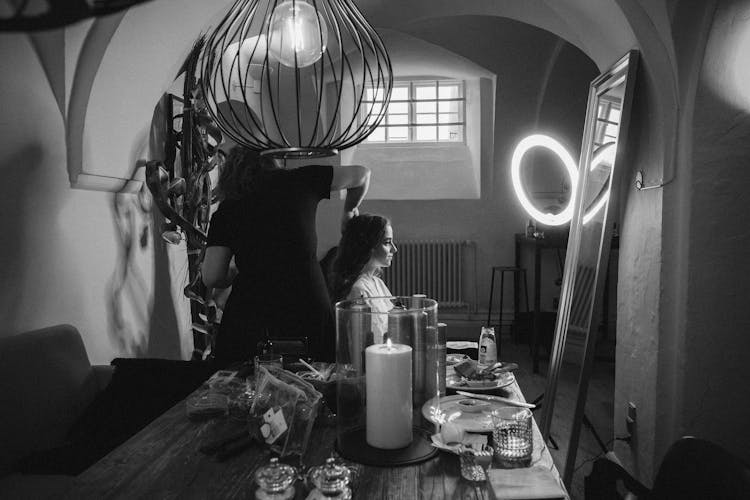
[630, 419]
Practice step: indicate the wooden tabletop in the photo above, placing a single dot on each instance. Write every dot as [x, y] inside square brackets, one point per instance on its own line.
[163, 461]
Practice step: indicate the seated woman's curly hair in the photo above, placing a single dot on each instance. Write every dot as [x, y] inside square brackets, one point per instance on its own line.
[361, 235]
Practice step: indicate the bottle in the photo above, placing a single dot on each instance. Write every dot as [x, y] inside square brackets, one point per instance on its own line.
[530, 229]
[487, 347]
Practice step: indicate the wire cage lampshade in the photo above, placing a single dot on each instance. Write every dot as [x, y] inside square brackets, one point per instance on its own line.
[296, 78]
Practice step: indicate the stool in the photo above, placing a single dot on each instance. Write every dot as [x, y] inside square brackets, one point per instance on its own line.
[517, 273]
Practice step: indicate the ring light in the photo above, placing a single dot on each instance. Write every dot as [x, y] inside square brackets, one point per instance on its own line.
[544, 141]
[605, 152]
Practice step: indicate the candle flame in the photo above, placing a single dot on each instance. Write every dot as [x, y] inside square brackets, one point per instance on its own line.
[389, 344]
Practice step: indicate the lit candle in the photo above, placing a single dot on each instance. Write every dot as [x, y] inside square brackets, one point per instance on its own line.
[388, 388]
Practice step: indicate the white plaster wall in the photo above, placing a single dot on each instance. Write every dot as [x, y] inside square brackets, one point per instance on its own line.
[718, 319]
[91, 259]
[59, 246]
[638, 290]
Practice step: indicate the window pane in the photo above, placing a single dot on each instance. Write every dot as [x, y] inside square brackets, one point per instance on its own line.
[378, 135]
[371, 108]
[398, 119]
[398, 133]
[449, 107]
[426, 133]
[426, 107]
[398, 107]
[400, 93]
[450, 133]
[418, 112]
[449, 91]
[448, 117]
[424, 91]
[374, 94]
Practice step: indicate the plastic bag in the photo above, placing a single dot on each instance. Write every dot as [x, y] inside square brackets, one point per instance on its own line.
[284, 410]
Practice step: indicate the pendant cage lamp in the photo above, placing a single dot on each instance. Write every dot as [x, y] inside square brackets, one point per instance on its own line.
[296, 79]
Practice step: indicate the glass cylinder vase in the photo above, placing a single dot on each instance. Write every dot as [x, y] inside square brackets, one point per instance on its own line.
[388, 357]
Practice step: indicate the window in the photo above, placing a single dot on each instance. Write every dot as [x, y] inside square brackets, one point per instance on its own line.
[420, 111]
[608, 118]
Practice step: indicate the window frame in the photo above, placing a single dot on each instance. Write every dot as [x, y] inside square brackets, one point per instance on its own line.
[411, 124]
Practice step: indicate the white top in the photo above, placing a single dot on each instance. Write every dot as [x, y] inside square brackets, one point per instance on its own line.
[372, 286]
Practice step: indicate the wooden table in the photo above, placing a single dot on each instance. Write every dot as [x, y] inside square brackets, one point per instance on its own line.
[163, 461]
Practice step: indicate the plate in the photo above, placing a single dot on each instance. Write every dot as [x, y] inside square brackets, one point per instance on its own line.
[458, 383]
[470, 422]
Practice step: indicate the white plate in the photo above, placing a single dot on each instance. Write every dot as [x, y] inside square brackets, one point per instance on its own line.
[470, 422]
[457, 383]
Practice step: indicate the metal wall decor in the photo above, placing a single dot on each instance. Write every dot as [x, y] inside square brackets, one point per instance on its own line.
[182, 188]
[295, 79]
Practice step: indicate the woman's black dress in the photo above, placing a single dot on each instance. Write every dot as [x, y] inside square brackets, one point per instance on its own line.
[280, 291]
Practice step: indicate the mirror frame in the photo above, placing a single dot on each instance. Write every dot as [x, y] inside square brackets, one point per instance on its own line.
[624, 70]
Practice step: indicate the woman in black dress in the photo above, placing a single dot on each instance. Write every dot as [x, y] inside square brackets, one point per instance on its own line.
[266, 222]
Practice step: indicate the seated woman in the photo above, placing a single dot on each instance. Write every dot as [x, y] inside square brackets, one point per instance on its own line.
[365, 248]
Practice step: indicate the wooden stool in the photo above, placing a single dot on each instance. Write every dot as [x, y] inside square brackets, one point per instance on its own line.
[517, 273]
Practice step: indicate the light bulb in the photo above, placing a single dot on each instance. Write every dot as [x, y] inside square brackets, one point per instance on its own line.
[297, 34]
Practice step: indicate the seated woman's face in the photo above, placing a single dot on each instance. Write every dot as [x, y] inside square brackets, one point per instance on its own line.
[383, 252]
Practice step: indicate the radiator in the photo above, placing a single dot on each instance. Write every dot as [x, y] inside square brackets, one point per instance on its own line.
[433, 268]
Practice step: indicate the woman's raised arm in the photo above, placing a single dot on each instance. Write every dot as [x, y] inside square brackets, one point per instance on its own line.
[356, 180]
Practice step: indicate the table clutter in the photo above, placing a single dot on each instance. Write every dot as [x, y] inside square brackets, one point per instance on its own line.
[310, 429]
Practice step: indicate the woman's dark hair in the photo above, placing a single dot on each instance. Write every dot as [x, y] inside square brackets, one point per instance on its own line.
[361, 234]
[240, 171]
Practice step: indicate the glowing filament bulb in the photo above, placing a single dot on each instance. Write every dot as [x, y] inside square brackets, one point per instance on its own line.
[297, 34]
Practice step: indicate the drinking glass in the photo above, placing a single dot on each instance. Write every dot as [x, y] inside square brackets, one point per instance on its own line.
[512, 436]
[268, 360]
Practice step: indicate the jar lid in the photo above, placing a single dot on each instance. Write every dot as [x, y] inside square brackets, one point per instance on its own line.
[275, 477]
[330, 478]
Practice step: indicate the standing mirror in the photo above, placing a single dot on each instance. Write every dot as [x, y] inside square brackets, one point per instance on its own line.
[591, 229]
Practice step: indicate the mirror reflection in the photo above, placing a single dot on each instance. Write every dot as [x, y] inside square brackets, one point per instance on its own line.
[591, 228]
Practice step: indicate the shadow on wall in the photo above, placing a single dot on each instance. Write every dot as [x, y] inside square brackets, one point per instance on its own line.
[141, 311]
[19, 173]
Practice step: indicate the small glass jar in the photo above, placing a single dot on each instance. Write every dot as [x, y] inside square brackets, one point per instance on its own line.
[331, 480]
[275, 481]
[475, 463]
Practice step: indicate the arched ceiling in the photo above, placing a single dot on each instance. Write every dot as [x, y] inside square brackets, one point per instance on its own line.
[113, 91]
[598, 28]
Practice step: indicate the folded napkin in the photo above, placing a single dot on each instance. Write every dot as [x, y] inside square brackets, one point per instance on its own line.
[526, 483]
[468, 440]
[461, 344]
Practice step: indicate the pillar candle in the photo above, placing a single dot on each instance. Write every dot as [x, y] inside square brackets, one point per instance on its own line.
[388, 389]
